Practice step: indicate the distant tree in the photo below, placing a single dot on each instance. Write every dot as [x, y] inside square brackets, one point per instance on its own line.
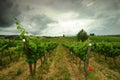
[82, 35]
[92, 34]
[63, 35]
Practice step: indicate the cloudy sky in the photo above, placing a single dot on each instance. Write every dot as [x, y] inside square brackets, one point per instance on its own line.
[58, 17]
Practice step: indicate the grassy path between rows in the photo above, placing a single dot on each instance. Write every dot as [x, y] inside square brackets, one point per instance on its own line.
[61, 68]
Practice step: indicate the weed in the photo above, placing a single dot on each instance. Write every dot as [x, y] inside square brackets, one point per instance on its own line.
[18, 71]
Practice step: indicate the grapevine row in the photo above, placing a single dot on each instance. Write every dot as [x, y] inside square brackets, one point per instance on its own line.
[106, 49]
[34, 50]
[8, 51]
[80, 49]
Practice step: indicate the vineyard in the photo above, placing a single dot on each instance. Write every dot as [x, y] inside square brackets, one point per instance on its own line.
[59, 58]
[64, 58]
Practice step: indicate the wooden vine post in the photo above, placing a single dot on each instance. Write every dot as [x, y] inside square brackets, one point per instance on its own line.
[86, 62]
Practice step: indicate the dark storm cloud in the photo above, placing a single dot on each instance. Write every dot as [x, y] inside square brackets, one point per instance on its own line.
[8, 10]
[105, 13]
[37, 23]
[41, 21]
[86, 8]
[107, 16]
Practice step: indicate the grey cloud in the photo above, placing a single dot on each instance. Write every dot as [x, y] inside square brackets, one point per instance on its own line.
[41, 20]
[105, 13]
[110, 25]
[37, 23]
[8, 10]
[80, 6]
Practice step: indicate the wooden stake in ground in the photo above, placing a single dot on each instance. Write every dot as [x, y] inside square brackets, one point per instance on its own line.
[86, 62]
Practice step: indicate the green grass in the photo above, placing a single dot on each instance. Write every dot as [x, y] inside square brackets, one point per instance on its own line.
[62, 74]
[91, 76]
[4, 78]
[104, 38]
[18, 71]
[59, 39]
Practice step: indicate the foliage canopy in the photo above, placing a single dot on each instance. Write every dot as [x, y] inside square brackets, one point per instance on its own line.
[82, 35]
